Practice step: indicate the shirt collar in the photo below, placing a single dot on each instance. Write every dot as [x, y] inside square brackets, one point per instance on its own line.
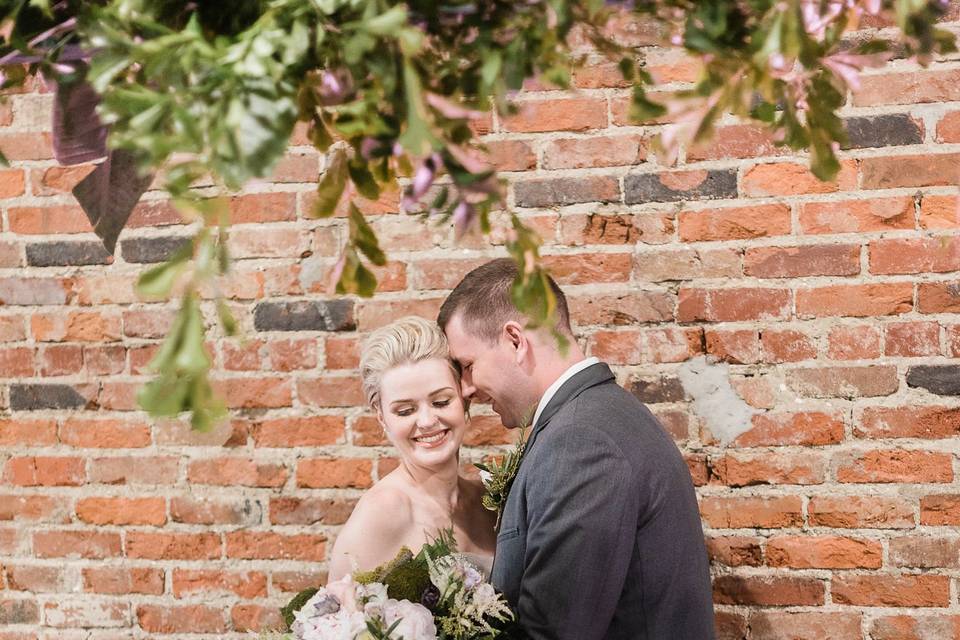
[573, 370]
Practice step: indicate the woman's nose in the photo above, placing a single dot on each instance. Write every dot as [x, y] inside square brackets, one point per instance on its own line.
[426, 417]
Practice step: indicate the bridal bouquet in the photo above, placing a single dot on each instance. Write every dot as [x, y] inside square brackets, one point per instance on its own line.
[436, 594]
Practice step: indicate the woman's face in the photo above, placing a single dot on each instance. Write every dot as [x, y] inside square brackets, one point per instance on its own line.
[422, 412]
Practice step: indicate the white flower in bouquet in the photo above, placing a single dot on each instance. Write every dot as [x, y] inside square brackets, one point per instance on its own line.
[323, 618]
[416, 621]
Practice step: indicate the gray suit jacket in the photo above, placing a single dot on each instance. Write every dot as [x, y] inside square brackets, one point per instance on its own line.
[601, 536]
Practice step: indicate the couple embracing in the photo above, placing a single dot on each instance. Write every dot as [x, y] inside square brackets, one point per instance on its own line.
[600, 534]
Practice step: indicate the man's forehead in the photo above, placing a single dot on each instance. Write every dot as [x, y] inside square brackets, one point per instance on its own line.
[458, 339]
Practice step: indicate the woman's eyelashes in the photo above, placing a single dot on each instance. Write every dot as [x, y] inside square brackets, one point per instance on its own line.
[407, 410]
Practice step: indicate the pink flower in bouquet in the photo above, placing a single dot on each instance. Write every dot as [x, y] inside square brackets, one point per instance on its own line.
[416, 621]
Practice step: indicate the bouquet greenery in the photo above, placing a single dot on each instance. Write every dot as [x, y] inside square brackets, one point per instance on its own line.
[436, 594]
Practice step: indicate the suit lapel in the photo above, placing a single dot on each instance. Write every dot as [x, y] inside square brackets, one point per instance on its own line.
[590, 377]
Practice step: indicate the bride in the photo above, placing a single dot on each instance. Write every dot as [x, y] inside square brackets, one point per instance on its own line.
[413, 386]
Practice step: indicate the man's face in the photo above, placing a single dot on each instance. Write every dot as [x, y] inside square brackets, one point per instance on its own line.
[491, 374]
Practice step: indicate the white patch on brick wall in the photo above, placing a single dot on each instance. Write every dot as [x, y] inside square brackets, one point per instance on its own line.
[312, 270]
[714, 399]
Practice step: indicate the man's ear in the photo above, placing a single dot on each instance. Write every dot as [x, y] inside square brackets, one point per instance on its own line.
[516, 336]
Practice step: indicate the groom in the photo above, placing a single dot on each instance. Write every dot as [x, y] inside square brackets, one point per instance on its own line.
[600, 536]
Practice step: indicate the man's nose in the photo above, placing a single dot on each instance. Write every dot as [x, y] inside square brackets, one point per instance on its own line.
[467, 388]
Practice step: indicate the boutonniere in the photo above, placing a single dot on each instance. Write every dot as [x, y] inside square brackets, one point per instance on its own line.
[497, 477]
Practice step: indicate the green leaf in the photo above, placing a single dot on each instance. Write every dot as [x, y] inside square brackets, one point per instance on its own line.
[642, 108]
[156, 283]
[192, 357]
[363, 179]
[416, 138]
[362, 235]
[331, 185]
[387, 23]
[227, 321]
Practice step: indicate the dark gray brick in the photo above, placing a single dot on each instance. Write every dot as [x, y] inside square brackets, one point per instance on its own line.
[892, 129]
[66, 254]
[563, 191]
[150, 250]
[30, 397]
[680, 185]
[943, 380]
[658, 390]
[305, 315]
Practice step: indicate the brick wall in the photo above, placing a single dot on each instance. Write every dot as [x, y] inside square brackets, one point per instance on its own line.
[823, 440]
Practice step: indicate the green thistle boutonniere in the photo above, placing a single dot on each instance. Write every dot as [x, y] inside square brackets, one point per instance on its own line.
[498, 477]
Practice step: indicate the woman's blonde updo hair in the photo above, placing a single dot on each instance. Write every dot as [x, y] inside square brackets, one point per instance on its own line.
[405, 341]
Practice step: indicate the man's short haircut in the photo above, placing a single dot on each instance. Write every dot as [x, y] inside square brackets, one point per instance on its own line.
[484, 302]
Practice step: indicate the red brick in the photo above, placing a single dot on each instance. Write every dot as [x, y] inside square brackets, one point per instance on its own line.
[768, 590]
[45, 471]
[736, 223]
[367, 432]
[804, 625]
[864, 300]
[247, 393]
[621, 309]
[255, 618]
[105, 360]
[854, 342]
[658, 265]
[310, 511]
[263, 207]
[76, 544]
[926, 170]
[912, 339]
[736, 141]
[600, 75]
[792, 429]
[861, 512]
[940, 510]
[34, 508]
[589, 268]
[891, 591]
[953, 340]
[104, 434]
[330, 391]
[511, 155]
[38, 579]
[60, 360]
[727, 512]
[823, 552]
[154, 213]
[135, 470]
[57, 180]
[904, 627]
[938, 297]
[939, 212]
[292, 355]
[182, 619]
[122, 511]
[736, 347]
[568, 114]
[857, 216]
[18, 432]
[844, 382]
[17, 362]
[105, 289]
[121, 581]
[296, 581]
[595, 151]
[914, 87]
[735, 551]
[743, 470]
[257, 545]
[948, 128]
[215, 582]
[173, 546]
[321, 473]
[732, 305]
[915, 255]
[652, 345]
[925, 552]
[806, 260]
[149, 322]
[341, 353]
[27, 146]
[787, 346]
[18, 611]
[790, 179]
[48, 220]
[260, 242]
[11, 183]
[236, 472]
[315, 431]
[200, 510]
[373, 314]
[78, 326]
[581, 229]
[895, 466]
[226, 433]
[12, 328]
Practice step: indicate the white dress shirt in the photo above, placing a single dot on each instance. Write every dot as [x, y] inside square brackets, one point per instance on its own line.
[552, 389]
